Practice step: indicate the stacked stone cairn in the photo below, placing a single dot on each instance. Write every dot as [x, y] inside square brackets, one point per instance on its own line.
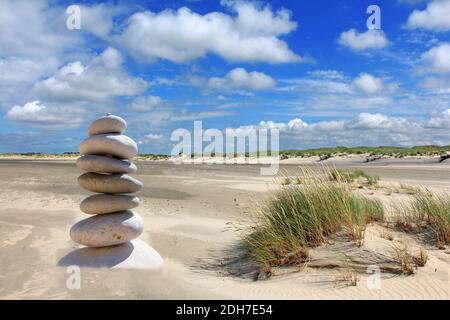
[105, 155]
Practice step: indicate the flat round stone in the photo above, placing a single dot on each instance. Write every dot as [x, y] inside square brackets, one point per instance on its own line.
[109, 183]
[102, 164]
[107, 203]
[107, 229]
[117, 145]
[107, 124]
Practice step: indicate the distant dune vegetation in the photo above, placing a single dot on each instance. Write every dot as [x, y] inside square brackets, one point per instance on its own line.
[373, 153]
[382, 150]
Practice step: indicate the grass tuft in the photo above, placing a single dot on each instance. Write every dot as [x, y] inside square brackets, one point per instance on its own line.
[406, 260]
[422, 258]
[348, 276]
[299, 217]
[427, 209]
[350, 176]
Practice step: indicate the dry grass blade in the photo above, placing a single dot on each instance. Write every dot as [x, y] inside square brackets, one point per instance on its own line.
[402, 255]
[422, 258]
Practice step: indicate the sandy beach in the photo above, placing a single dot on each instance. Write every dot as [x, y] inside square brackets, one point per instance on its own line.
[225, 150]
[194, 215]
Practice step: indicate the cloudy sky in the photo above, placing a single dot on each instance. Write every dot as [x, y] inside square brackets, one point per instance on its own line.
[309, 68]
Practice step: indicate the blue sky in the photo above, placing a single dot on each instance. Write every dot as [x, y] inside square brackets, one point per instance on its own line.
[311, 69]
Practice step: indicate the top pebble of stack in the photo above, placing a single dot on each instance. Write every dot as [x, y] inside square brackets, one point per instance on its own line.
[107, 124]
[106, 138]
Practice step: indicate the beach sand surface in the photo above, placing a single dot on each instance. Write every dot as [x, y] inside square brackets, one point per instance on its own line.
[194, 216]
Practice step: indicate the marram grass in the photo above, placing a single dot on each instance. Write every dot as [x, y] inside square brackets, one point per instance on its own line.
[351, 175]
[427, 209]
[299, 217]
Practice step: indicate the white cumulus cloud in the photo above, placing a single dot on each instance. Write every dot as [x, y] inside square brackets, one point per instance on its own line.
[437, 59]
[148, 103]
[334, 88]
[239, 78]
[97, 19]
[101, 79]
[39, 115]
[368, 84]
[33, 43]
[435, 17]
[183, 35]
[439, 85]
[371, 39]
[371, 129]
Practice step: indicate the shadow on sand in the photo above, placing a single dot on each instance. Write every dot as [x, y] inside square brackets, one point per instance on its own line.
[135, 254]
[106, 257]
[232, 261]
[339, 254]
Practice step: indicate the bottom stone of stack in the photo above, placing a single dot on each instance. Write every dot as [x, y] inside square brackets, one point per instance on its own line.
[135, 254]
[107, 229]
